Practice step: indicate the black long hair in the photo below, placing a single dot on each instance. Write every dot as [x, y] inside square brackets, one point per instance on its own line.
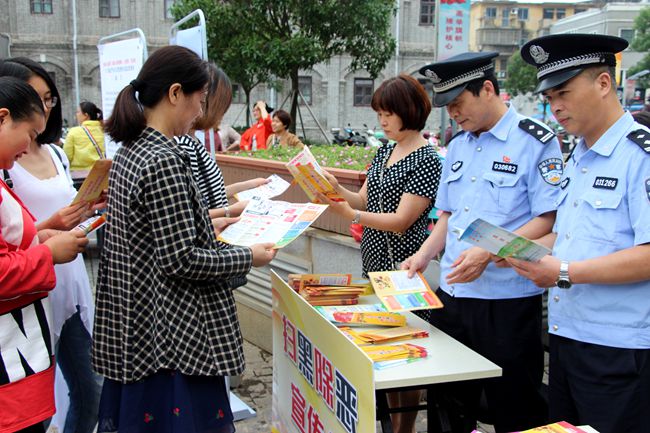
[20, 99]
[93, 112]
[166, 66]
[53, 128]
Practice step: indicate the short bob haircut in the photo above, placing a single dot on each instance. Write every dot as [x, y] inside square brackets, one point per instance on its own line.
[404, 96]
[54, 126]
[283, 117]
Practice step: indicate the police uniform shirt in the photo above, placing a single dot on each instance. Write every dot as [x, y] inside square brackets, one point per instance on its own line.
[506, 176]
[604, 207]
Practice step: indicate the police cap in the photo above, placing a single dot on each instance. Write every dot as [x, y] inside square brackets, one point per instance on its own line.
[450, 76]
[558, 58]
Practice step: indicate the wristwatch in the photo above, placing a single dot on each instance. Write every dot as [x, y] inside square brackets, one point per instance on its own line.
[357, 218]
[563, 281]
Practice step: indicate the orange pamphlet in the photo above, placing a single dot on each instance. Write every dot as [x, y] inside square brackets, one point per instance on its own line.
[95, 183]
[370, 318]
[309, 175]
[398, 292]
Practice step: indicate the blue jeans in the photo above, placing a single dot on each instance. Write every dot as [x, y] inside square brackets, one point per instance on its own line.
[73, 358]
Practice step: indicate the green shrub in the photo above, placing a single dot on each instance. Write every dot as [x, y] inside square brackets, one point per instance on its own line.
[348, 157]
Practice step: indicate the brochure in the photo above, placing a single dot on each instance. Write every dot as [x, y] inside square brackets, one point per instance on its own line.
[265, 220]
[309, 175]
[274, 188]
[328, 312]
[398, 292]
[92, 224]
[502, 242]
[96, 182]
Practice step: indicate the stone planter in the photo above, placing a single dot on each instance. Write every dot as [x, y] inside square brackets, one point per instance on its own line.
[240, 168]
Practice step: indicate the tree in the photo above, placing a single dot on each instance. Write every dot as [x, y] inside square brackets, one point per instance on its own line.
[282, 37]
[522, 77]
[641, 43]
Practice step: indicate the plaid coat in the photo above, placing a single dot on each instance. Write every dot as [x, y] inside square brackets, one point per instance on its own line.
[162, 294]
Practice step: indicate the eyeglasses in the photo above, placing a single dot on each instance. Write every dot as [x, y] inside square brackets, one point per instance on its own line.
[50, 102]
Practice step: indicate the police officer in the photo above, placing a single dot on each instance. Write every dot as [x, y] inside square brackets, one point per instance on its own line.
[505, 168]
[599, 273]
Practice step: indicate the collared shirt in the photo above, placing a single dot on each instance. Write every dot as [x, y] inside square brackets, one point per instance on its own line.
[505, 176]
[604, 207]
[162, 296]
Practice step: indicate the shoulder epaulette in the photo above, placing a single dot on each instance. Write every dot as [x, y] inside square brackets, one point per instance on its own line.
[541, 132]
[642, 138]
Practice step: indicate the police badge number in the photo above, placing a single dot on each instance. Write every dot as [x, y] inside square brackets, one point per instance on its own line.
[647, 188]
[551, 170]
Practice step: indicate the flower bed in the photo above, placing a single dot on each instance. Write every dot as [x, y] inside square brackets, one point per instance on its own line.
[348, 157]
[350, 172]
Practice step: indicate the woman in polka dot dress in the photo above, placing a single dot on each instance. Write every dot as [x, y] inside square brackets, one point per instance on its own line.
[400, 190]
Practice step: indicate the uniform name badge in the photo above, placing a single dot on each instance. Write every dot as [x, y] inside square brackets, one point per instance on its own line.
[551, 170]
[504, 167]
[605, 182]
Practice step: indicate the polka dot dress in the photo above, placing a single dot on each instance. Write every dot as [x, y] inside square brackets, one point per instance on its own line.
[418, 173]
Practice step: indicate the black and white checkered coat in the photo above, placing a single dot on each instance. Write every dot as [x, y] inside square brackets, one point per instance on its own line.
[162, 295]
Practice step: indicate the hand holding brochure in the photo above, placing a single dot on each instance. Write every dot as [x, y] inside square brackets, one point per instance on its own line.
[96, 182]
[502, 242]
[265, 220]
[273, 188]
[398, 292]
[309, 175]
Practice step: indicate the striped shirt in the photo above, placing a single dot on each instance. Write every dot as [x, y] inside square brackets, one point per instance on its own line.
[207, 173]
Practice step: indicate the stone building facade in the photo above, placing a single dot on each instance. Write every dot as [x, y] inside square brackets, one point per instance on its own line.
[43, 30]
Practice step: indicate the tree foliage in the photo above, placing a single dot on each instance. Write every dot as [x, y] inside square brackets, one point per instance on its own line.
[641, 43]
[521, 77]
[253, 40]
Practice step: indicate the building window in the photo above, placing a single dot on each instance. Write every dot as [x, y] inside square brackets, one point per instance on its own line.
[549, 13]
[109, 8]
[579, 10]
[304, 86]
[522, 14]
[168, 9]
[363, 88]
[490, 12]
[41, 6]
[427, 13]
[238, 96]
[505, 17]
[560, 13]
[627, 34]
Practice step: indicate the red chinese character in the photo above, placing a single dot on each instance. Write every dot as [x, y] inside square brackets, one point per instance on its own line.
[458, 38]
[289, 334]
[459, 21]
[459, 13]
[297, 408]
[459, 30]
[324, 378]
[314, 423]
[449, 20]
[449, 38]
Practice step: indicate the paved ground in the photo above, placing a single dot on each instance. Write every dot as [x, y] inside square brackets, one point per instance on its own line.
[255, 386]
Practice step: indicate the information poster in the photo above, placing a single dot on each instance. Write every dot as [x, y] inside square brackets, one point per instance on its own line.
[453, 28]
[322, 383]
[119, 63]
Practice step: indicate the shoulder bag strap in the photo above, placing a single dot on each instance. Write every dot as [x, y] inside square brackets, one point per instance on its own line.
[92, 140]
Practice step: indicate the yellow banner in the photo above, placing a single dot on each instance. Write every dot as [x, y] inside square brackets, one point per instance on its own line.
[322, 382]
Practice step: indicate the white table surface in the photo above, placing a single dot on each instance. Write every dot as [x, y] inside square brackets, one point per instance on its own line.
[447, 360]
